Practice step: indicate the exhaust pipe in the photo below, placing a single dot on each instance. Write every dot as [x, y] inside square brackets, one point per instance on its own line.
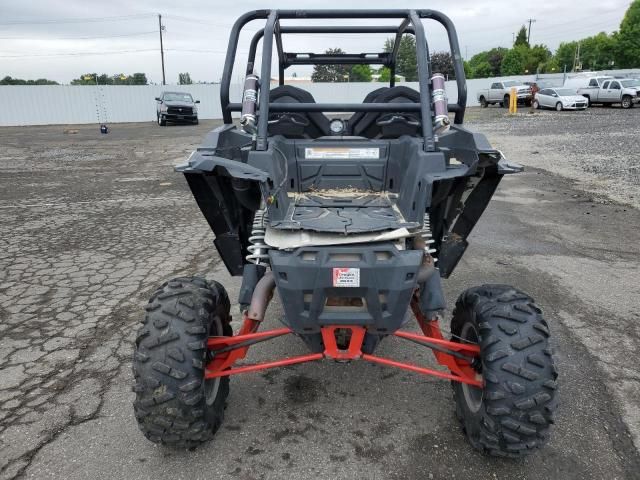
[425, 272]
[262, 295]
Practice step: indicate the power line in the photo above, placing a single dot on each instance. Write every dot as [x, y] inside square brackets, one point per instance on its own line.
[194, 50]
[181, 18]
[73, 54]
[113, 52]
[547, 26]
[135, 34]
[77, 20]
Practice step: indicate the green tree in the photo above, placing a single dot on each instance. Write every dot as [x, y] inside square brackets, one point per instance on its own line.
[121, 79]
[537, 57]
[483, 70]
[468, 70]
[442, 62]
[184, 78]
[565, 54]
[514, 62]
[385, 74]
[87, 79]
[138, 79]
[360, 73]
[406, 62]
[521, 38]
[493, 58]
[627, 40]
[598, 52]
[104, 79]
[330, 73]
[19, 81]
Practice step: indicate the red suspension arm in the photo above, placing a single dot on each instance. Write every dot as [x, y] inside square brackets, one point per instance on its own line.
[236, 347]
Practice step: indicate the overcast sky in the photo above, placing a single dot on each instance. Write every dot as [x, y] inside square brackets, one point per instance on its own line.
[61, 39]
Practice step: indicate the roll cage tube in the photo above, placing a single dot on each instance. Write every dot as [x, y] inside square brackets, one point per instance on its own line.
[411, 24]
[323, 29]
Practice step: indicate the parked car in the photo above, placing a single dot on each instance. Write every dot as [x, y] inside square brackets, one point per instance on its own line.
[501, 91]
[560, 99]
[610, 92]
[176, 107]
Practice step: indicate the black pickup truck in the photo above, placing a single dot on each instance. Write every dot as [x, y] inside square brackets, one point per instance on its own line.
[176, 107]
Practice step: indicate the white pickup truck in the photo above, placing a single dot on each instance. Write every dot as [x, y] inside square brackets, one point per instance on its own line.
[614, 90]
[500, 92]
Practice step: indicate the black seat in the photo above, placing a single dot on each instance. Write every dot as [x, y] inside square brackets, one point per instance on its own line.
[366, 124]
[370, 98]
[296, 124]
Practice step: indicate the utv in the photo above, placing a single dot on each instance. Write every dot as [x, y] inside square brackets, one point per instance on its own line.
[353, 220]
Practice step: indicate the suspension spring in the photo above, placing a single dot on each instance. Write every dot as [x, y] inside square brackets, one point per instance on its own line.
[258, 250]
[427, 237]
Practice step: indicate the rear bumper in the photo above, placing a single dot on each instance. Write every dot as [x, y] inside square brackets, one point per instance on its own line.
[378, 300]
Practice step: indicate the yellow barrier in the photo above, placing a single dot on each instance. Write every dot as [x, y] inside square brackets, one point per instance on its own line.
[513, 101]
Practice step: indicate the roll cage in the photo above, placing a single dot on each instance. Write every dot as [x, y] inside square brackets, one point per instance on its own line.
[411, 23]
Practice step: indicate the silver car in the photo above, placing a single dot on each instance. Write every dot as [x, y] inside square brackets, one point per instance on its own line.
[560, 99]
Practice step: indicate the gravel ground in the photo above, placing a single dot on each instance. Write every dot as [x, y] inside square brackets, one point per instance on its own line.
[91, 224]
[599, 147]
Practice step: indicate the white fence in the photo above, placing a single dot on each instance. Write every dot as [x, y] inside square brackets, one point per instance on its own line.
[74, 104]
[71, 104]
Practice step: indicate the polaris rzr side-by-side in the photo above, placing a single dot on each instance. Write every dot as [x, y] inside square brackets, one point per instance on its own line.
[353, 220]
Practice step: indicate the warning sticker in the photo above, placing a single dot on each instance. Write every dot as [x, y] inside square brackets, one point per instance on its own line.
[346, 277]
[328, 153]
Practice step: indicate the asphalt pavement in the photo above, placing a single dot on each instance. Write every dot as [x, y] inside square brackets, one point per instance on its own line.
[92, 224]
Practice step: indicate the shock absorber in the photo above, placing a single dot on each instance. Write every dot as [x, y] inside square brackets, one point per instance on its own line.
[258, 250]
[249, 103]
[440, 107]
[427, 237]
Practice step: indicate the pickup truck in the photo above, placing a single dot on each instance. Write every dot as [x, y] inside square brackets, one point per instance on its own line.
[500, 92]
[611, 91]
[176, 107]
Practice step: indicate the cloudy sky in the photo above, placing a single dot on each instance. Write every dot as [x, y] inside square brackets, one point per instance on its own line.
[61, 39]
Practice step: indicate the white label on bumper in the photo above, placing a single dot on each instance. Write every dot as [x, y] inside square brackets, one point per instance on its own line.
[346, 277]
[328, 153]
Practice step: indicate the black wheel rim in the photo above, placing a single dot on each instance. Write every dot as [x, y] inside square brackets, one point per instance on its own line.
[473, 396]
[212, 385]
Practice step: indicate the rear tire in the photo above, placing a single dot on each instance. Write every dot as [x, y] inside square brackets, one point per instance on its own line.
[511, 415]
[174, 404]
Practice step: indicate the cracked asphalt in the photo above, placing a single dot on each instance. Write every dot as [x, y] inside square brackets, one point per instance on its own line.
[92, 223]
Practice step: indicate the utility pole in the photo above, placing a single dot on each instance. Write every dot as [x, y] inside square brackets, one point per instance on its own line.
[576, 59]
[530, 20]
[160, 29]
